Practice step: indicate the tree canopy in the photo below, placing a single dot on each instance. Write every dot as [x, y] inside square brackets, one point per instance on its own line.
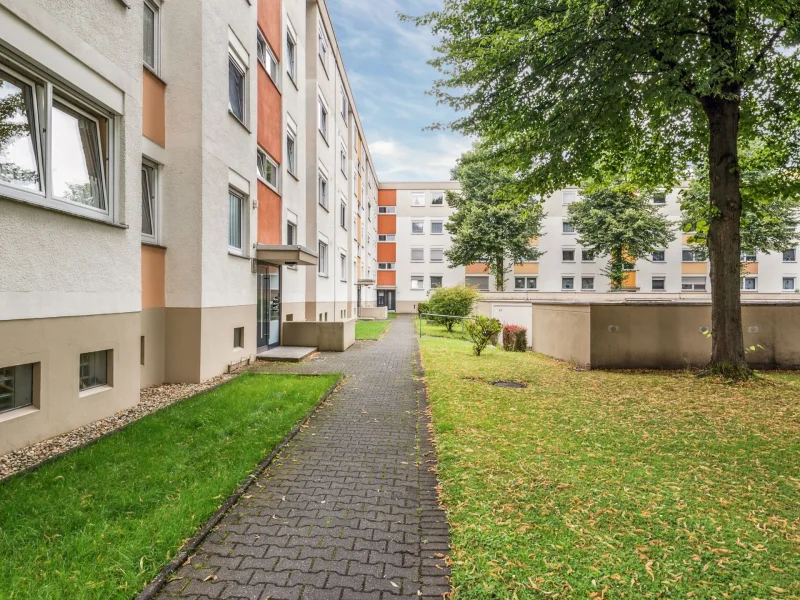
[621, 223]
[484, 228]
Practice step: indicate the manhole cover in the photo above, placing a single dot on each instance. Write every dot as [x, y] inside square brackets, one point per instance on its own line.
[509, 384]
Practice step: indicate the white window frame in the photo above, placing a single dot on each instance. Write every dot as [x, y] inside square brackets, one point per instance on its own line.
[744, 281]
[658, 278]
[44, 95]
[343, 266]
[262, 158]
[291, 163]
[291, 240]
[108, 375]
[653, 256]
[441, 281]
[484, 286]
[387, 210]
[569, 197]
[343, 216]
[156, 8]
[291, 52]
[585, 278]
[564, 225]
[794, 255]
[421, 280]
[323, 46]
[437, 196]
[273, 69]
[437, 223]
[417, 222]
[563, 279]
[345, 102]
[749, 257]
[568, 260]
[323, 199]
[10, 388]
[343, 158]
[386, 237]
[420, 251]
[322, 265]
[783, 284]
[243, 220]
[239, 63]
[418, 199]
[323, 116]
[440, 252]
[526, 283]
[694, 279]
[387, 266]
[155, 204]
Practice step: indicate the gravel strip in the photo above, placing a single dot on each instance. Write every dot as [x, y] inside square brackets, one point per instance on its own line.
[150, 400]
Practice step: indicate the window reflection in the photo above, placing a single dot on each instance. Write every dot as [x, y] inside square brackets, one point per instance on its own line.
[19, 164]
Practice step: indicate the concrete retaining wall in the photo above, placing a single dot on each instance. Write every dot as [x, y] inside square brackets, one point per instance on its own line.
[331, 336]
[375, 312]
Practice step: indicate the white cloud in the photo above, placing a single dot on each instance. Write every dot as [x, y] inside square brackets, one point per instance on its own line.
[428, 158]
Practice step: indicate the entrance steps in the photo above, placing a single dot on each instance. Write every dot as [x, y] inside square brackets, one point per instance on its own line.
[294, 354]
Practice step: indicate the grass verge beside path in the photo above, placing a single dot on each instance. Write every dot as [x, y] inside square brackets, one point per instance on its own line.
[614, 485]
[102, 521]
[371, 330]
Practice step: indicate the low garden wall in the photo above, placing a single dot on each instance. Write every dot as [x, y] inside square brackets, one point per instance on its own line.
[327, 336]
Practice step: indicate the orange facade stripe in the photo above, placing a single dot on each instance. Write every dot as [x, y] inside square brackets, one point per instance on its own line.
[387, 278]
[270, 136]
[477, 269]
[387, 223]
[269, 216]
[387, 197]
[154, 111]
[269, 21]
[387, 252]
[153, 269]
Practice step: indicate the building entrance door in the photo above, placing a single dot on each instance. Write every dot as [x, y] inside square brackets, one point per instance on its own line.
[388, 298]
[269, 306]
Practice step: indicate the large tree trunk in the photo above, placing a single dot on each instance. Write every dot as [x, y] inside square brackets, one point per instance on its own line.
[724, 240]
[500, 274]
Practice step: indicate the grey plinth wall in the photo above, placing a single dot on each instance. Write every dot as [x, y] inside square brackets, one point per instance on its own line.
[331, 336]
[376, 312]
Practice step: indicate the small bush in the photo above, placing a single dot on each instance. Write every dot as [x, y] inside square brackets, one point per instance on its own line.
[481, 330]
[515, 338]
[457, 301]
[422, 308]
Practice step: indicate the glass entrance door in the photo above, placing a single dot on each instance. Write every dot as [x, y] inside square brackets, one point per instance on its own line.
[387, 298]
[269, 306]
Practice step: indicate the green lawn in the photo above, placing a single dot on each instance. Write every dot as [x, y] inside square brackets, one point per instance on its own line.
[102, 521]
[371, 330]
[615, 485]
[436, 330]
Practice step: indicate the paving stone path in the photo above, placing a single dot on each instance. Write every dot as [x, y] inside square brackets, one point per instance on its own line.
[349, 509]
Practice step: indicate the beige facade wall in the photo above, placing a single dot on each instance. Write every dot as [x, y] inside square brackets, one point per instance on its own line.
[56, 345]
[407, 307]
[561, 331]
[153, 332]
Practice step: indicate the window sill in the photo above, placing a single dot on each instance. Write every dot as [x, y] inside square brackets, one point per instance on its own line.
[324, 138]
[152, 72]
[239, 121]
[65, 211]
[18, 413]
[237, 255]
[291, 78]
[323, 276]
[327, 210]
[153, 244]
[293, 175]
[95, 391]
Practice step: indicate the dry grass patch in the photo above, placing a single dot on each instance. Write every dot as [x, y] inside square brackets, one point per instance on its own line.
[615, 485]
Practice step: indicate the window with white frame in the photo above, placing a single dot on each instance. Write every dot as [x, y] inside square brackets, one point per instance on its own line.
[569, 196]
[291, 151]
[267, 58]
[749, 256]
[343, 214]
[267, 169]
[418, 255]
[65, 165]
[94, 369]
[660, 198]
[693, 255]
[587, 256]
[323, 117]
[323, 46]
[149, 202]
[789, 284]
[587, 284]
[322, 190]
[417, 227]
[568, 255]
[291, 233]
[436, 281]
[659, 256]
[749, 284]
[387, 210]
[343, 266]
[479, 282]
[322, 265]
[790, 255]
[417, 282]
[343, 160]
[658, 284]
[437, 255]
[566, 227]
[525, 283]
[16, 387]
[417, 198]
[437, 227]
[387, 237]
[343, 100]
[567, 283]
[152, 36]
[237, 211]
[238, 338]
[693, 284]
[387, 266]
[291, 53]
[237, 87]
[437, 199]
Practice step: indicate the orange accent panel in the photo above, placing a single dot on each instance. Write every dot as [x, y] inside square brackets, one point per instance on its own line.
[526, 269]
[534, 242]
[387, 197]
[751, 268]
[269, 216]
[387, 252]
[629, 281]
[694, 268]
[153, 260]
[477, 269]
[685, 238]
[269, 20]
[387, 277]
[270, 137]
[387, 223]
[154, 109]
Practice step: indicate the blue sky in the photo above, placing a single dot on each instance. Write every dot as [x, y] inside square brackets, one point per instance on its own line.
[386, 65]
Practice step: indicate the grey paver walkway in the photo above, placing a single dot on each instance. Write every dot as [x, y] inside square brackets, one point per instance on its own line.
[349, 509]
